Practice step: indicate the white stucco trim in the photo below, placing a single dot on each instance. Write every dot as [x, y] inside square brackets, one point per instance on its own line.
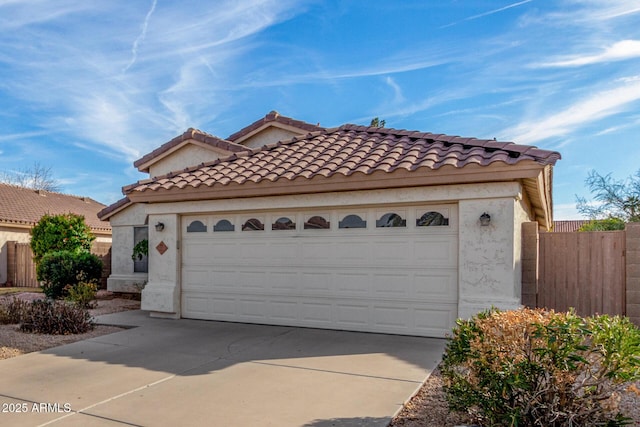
[440, 194]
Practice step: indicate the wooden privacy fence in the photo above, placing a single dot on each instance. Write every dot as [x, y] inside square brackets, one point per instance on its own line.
[594, 272]
[21, 270]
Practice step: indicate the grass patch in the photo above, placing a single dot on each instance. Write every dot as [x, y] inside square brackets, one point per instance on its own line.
[9, 291]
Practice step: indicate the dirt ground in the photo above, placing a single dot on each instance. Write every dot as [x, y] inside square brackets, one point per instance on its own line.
[14, 343]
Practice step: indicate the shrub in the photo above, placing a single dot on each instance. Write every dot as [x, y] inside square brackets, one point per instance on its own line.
[56, 318]
[65, 232]
[607, 224]
[82, 293]
[14, 311]
[60, 269]
[538, 368]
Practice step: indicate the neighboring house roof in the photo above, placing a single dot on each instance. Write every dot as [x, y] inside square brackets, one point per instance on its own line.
[191, 134]
[273, 119]
[568, 226]
[354, 157]
[24, 207]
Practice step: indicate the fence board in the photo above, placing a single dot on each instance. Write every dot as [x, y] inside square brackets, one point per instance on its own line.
[583, 270]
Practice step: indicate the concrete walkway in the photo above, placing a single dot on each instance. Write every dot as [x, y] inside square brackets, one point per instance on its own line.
[199, 373]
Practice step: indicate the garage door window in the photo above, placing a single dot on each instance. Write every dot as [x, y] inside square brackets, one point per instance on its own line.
[196, 227]
[391, 219]
[224, 225]
[253, 224]
[352, 221]
[317, 223]
[430, 219]
[283, 223]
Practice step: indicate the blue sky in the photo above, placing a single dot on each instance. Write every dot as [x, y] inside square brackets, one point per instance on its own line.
[87, 87]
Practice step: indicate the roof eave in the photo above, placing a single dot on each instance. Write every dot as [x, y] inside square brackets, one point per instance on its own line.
[357, 181]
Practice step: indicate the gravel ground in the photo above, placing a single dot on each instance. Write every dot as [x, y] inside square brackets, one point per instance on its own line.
[14, 343]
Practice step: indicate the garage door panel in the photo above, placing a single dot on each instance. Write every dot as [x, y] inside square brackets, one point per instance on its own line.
[433, 319]
[286, 252]
[284, 280]
[350, 315]
[284, 310]
[251, 280]
[252, 309]
[440, 285]
[316, 282]
[352, 284]
[437, 252]
[395, 317]
[316, 313]
[253, 252]
[391, 285]
[196, 303]
[316, 253]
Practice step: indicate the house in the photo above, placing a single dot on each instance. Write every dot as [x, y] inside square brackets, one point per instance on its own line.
[569, 226]
[355, 228]
[21, 208]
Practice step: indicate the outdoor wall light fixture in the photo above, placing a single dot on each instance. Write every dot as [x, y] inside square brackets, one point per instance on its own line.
[485, 219]
[159, 226]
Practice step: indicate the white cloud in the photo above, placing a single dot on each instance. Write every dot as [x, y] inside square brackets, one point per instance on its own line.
[140, 39]
[625, 49]
[587, 110]
[491, 12]
[398, 97]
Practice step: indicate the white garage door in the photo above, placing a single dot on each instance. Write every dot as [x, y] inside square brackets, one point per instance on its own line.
[389, 269]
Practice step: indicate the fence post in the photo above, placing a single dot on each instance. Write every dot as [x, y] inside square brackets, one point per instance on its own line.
[530, 255]
[633, 271]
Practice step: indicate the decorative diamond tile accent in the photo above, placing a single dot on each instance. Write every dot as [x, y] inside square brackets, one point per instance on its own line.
[162, 248]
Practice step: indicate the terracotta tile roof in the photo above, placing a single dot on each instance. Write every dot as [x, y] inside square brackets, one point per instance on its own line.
[23, 206]
[274, 117]
[195, 134]
[105, 213]
[568, 226]
[345, 151]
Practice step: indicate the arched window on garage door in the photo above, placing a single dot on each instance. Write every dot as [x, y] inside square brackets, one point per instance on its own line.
[253, 224]
[431, 219]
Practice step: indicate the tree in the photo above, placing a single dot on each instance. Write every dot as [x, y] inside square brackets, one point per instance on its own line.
[614, 199]
[65, 232]
[377, 123]
[36, 177]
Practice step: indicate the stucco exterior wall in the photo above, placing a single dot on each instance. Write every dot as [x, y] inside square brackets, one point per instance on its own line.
[161, 296]
[269, 136]
[123, 278]
[8, 234]
[489, 264]
[188, 155]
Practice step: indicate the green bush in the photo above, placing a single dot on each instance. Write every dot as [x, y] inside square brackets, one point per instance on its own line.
[65, 232]
[608, 224]
[64, 268]
[82, 293]
[56, 318]
[538, 368]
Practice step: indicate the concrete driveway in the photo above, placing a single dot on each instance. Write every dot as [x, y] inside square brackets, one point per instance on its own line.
[200, 373]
